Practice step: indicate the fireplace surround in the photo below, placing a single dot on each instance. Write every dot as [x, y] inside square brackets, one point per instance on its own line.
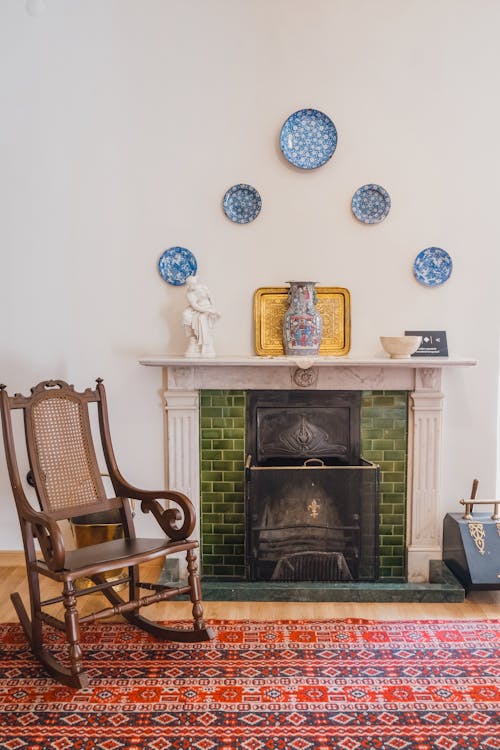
[224, 447]
[185, 379]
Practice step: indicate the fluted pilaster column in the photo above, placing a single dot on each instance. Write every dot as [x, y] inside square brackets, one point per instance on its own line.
[183, 450]
[424, 503]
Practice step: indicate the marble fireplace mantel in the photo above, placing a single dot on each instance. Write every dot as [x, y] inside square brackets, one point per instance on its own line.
[185, 377]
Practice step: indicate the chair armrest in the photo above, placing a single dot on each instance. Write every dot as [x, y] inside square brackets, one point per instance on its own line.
[49, 536]
[168, 518]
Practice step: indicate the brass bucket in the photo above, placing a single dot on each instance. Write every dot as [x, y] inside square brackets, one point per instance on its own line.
[86, 533]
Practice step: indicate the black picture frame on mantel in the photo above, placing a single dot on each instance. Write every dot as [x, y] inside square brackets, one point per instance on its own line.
[434, 343]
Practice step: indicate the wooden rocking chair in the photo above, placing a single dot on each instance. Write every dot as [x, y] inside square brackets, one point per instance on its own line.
[65, 474]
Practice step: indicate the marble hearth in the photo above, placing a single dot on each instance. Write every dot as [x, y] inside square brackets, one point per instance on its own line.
[185, 378]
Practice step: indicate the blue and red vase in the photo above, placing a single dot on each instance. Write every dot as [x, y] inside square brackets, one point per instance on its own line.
[302, 323]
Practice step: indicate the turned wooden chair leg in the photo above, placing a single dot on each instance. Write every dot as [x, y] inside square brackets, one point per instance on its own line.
[195, 590]
[72, 628]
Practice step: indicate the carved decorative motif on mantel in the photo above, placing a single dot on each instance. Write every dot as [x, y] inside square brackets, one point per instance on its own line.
[305, 378]
[182, 377]
[427, 378]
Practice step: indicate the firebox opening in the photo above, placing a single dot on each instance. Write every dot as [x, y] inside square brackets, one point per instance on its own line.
[311, 499]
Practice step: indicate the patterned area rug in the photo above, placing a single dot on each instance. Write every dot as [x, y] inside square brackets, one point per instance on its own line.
[344, 684]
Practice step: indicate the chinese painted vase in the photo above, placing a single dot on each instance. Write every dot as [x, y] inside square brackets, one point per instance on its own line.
[302, 323]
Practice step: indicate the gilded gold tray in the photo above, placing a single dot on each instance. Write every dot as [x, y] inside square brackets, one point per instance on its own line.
[269, 307]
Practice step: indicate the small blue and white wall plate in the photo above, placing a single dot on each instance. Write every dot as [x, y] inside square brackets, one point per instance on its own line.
[176, 264]
[242, 203]
[432, 266]
[308, 138]
[371, 204]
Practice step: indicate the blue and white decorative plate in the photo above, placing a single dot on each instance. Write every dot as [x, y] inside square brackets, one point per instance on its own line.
[308, 138]
[242, 203]
[371, 204]
[432, 266]
[176, 264]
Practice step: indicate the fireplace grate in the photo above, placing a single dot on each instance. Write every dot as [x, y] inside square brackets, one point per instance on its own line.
[312, 566]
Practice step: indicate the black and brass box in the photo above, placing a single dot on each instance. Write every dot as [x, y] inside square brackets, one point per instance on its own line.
[471, 549]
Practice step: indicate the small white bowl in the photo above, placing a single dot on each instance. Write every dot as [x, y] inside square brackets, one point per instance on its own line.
[400, 347]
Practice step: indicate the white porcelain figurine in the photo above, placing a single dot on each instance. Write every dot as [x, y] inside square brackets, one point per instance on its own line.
[199, 317]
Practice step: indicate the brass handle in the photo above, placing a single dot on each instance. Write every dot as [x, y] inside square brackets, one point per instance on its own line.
[469, 508]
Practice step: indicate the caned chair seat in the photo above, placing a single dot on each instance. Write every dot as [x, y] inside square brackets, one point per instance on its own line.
[63, 469]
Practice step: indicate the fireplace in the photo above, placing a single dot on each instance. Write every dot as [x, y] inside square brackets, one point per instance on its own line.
[186, 381]
[311, 499]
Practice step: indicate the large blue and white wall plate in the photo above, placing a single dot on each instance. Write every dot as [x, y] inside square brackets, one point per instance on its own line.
[176, 264]
[371, 204]
[242, 203]
[432, 266]
[308, 138]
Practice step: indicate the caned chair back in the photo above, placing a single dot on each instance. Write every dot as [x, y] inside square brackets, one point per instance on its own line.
[63, 462]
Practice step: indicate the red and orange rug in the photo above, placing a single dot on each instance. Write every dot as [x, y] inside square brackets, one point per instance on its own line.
[343, 684]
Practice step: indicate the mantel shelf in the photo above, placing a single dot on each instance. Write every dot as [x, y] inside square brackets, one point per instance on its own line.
[168, 360]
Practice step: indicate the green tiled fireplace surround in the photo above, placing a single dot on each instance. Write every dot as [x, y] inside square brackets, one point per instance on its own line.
[384, 439]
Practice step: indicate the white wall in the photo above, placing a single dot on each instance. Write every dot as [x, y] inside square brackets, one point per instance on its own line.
[123, 124]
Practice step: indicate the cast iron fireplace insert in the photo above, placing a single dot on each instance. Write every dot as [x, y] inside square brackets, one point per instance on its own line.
[311, 499]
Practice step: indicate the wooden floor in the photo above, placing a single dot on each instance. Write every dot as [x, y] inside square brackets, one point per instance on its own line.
[479, 605]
